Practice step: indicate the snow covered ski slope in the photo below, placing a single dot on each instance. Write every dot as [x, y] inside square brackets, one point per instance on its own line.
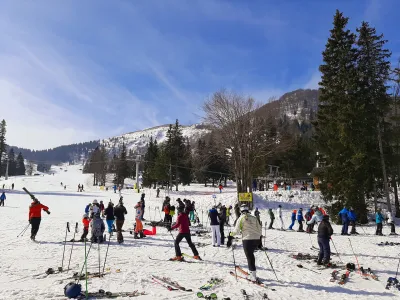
[24, 262]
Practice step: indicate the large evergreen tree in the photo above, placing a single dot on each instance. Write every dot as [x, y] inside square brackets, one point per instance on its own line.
[3, 131]
[12, 164]
[149, 176]
[122, 171]
[20, 167]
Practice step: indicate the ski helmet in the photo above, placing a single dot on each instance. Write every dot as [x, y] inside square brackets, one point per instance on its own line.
[244, 208]
[85, 216]
[94, 201]
[72, 290]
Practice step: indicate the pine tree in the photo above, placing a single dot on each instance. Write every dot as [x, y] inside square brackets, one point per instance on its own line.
[150, 157]
[20, 167]
[12, 164]
[162, 165]
[186, 165]
[201, 162]
[3, 149]
[122, 171]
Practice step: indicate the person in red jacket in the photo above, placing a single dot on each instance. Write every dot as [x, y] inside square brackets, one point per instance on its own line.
[184, 232]
[86, 223]
[35, 216]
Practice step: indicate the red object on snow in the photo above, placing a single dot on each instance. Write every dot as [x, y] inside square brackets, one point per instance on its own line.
[275, 187]
[152, 232]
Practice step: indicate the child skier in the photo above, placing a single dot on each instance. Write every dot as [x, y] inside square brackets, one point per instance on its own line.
[138, 219]
[98, 229]
[35, 216]
[294, 214]
[379, 221]
[300, 219]
[352, 219]
[101, 207]
[251, 229]
[272, 217]
[184, 232]
[85, 222]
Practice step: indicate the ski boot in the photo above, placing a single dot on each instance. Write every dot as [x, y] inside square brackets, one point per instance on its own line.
[197, 257]
[253, 277]
[176, 258]
[142, 234]
[136, 237]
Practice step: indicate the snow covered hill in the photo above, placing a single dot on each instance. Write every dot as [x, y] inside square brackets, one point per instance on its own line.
[23, 262]
[138, 140]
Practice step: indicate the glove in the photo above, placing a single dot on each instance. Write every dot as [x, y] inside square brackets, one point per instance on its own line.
[169, 228]
[229, 243]
[47, 212]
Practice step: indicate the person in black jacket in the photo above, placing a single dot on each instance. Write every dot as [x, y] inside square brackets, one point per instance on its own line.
[222, 220]
[119, 214]
[325, 232]
[143, 205]
[216, 236]
[109, 213]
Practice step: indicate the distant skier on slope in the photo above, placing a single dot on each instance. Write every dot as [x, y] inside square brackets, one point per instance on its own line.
[251, 231]
[184, 233]
[35, 216]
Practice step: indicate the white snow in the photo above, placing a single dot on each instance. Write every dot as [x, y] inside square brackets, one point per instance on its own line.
[21, 258]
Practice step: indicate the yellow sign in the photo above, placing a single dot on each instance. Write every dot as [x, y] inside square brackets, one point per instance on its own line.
[246, 197]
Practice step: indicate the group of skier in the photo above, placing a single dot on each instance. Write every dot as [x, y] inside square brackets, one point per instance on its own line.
[80, 188]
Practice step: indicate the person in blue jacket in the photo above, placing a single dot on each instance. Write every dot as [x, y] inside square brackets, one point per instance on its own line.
[379, 222]
[294, 214]
[115, 188]
[2, 198]
[352, 219]
[87, 208]
[300, 219]
[344, 215]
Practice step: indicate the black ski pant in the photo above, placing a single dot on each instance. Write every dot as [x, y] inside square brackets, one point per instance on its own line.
[324, 250]
[142, 218]
[392, 228]
[249, 246]
[119, 224]
[188, 238]
[353, 227]
[379, 228]
[85, 233]
[270, 224]
[35, 223]
[167, 218]
[221, 230]
[301, 226]
[1, 202]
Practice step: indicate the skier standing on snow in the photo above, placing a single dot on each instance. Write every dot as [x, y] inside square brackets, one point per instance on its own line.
[325, 232]
[119, 214]
[352, 219]
[390, 221]
[12, 186]
[35, 216]
[214, 223]
[79, 188]
[251, 229]
[222, 220]
[138, 219]
[98, 229]
[85, 222]
[293, 217]
[192, 210]
[184, 232]
[166, 210]
[308, 217]
[300, 219]
[101, 208]
[272, 217]
[316, 218]
[344, 215]
[109, 213]
[279, 214]
[158, 193]
[257, 215]
[2, 198]
[379, 222]
[220, 188]
[94, 209]
[228, 214]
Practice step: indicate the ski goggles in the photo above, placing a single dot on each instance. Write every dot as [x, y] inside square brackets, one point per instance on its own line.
[211, 296]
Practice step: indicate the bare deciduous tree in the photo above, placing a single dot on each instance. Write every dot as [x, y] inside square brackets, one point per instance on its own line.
[248, 136]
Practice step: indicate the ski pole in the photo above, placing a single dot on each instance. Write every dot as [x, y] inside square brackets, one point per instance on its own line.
[73, 242]
[23, 230]
[273, 270]
[336, 251]
[87, 254]
[265, 233]
[397, 268]
[234, 261]
[301, 267]
[105, 259]
[98, 251]
[65, 243]
[355, 255]
[86, 274]
[312, 246]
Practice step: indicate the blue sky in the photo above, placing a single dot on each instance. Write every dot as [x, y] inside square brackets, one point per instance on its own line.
[74, 70]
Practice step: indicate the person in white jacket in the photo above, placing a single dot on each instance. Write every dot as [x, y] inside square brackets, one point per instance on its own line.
[316, 218]
[390, 221]
[251, 231]
[279, 214]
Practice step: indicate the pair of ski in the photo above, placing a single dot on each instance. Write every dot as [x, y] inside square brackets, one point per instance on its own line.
[183, 260]
[243, 272]
[342, 279]
[211, 284]
[110, 295]
[169, 284]
[367, 273]
[247, 296]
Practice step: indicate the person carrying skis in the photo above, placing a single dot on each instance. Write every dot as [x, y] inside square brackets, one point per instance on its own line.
[237, 213]
[85, 222]
[307, 218]
[352, 219]
[35, 216]
[101, 208]
[143, 205]
[279, 214]
[390, 221]
[294, 214]
[182, 223]
[272, 217]
[325, 232]
[379, 222]
[344, 215]
[214, 223]
[2, 198]
[98, 229]
[138, 219]
[119, 214]
[109, 213]
[251, 231]
[300, 219]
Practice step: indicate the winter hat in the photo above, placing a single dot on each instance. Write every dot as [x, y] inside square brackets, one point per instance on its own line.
[85, 216]
[279, 205]
[180, 209]
[94, 201]
[244, 208]
[325, 218]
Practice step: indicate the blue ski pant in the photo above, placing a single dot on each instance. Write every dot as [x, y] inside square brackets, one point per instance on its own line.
[110, 225]
[324, 250]
[345, 227]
